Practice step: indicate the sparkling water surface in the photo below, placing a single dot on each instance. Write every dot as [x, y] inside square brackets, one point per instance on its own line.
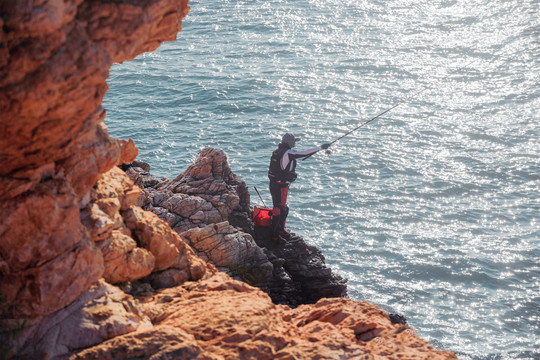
[432, 210]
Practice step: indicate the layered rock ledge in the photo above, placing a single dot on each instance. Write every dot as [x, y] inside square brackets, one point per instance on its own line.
[87, 273]
[208, 206]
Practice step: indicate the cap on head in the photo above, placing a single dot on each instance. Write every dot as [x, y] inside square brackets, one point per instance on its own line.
[289, 139]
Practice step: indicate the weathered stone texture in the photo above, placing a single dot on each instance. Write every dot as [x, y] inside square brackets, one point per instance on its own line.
[55, 57]
[134, 242]
[291, 272]
[220, 318]
[207, 192]
[232, 251]
[44, 251]
[69, 217]
[124, 261]
[103, 312]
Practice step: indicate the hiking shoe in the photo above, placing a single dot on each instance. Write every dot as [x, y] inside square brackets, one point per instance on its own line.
[278, 240]
[284, 235]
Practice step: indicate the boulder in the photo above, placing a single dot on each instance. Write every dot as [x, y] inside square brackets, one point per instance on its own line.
[103, 312]
[154, 235]
[207, 192]
[124, 261]
[232, 251]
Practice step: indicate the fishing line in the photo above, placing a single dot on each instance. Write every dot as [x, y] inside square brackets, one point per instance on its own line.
[406, 100]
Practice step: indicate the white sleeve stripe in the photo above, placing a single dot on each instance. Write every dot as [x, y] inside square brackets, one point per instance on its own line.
[285, 161]
[304, 152]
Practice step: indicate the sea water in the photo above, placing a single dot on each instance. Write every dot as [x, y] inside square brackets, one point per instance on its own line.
[432, 210]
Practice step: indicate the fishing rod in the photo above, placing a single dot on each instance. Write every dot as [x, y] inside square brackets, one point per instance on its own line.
[406, 100]
[260, 197]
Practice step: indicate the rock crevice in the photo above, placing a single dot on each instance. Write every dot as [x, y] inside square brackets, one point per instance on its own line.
[292, 272]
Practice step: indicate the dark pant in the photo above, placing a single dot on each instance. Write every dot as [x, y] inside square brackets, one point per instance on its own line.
[280, 211]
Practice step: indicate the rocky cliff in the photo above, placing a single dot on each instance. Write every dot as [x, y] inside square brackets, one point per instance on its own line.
[86, 272]
[209, 207]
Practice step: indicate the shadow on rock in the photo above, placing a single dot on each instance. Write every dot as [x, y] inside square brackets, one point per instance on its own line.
[208, 206]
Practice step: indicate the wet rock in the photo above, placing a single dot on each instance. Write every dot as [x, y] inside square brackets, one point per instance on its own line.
[302, 273]
[398, 319]
[138, 171]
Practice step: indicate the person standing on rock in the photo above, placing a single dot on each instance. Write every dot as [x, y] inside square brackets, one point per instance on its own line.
[281, 174]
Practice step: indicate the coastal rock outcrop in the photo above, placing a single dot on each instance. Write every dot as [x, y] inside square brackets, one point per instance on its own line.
[103, 312]
[123, 259]
[301, 275]
[292, 272]
[232, 251]
[129, 244]
[45, 251]
[135, 243]
[207, 192]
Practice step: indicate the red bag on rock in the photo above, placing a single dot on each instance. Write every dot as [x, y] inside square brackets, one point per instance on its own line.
[262, 216]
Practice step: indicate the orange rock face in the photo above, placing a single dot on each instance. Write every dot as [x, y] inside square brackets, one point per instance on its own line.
[45, 251]
[221, 318]
[54, 62]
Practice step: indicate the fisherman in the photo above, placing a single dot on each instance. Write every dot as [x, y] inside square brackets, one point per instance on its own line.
[281, 174]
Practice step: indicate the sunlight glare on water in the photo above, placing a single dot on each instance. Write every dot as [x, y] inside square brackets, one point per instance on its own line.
[432, 210]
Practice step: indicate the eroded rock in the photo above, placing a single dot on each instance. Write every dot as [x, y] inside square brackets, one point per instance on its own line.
[220, 318]
[55, 57]
[124, 261]
[207, 192]
[292, 272]
[63, 211]
[136, 243]
[300, 272]
[232, 251]
[103, 312]
[45, 251]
